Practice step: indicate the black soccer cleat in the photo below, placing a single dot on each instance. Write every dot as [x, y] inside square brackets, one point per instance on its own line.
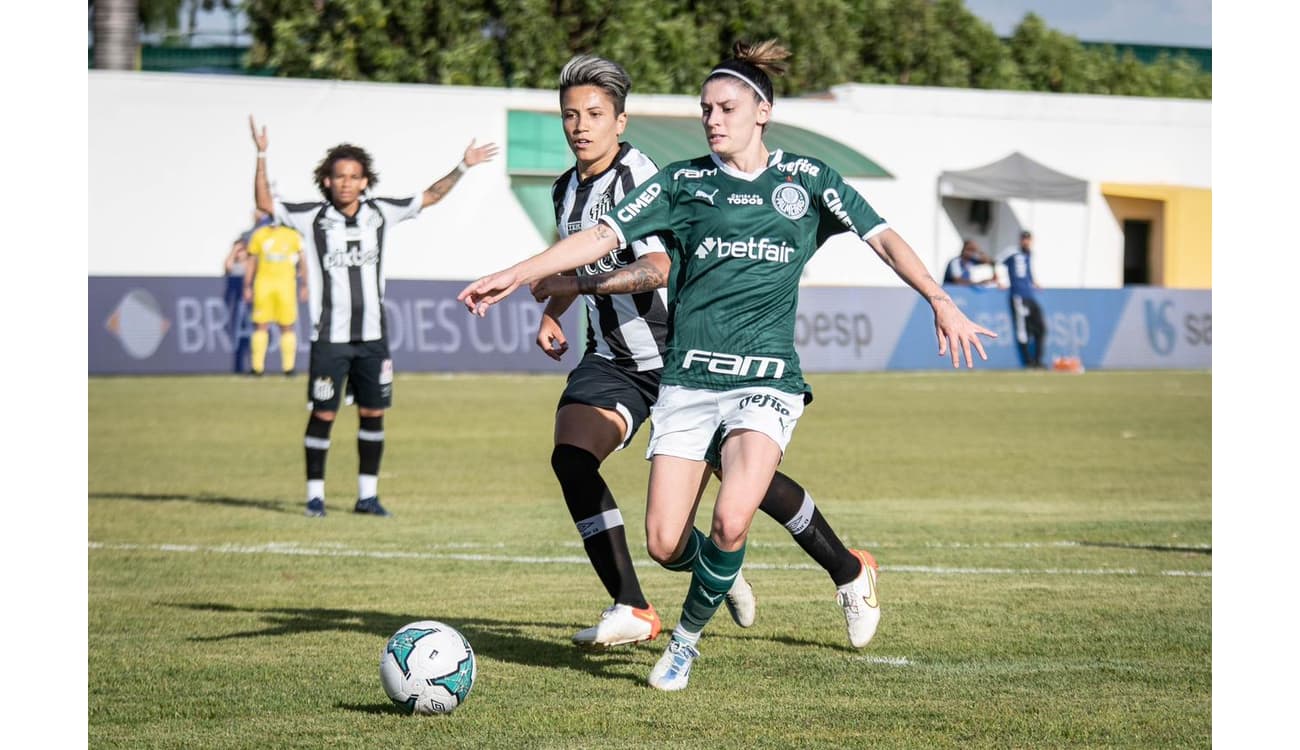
[315, 507]
[370, 506]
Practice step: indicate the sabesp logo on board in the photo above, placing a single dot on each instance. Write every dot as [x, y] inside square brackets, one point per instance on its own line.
[1160, 332]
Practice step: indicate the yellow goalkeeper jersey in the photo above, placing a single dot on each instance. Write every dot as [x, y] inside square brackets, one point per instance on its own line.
[276, 249]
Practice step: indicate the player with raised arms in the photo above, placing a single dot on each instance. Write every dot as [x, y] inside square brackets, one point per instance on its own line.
[734, 289]
[344, 244]
[610, 392]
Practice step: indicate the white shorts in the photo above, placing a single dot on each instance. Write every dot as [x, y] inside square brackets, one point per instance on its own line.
[684, 420]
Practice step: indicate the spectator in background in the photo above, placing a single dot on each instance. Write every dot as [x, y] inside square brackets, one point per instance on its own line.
[275, 261]
[1026, 315]
[959, 269]
[236, 309]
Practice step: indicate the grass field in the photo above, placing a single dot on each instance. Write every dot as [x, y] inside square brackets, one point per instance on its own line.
[1045, 543]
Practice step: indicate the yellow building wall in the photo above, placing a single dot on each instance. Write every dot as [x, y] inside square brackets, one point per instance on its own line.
[1182, 238]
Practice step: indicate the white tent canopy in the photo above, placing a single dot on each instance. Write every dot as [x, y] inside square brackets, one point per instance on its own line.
[1013, 176]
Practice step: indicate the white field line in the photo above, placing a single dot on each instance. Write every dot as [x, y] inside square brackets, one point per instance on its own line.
[964, 545]
[892, 661]
[292, 548]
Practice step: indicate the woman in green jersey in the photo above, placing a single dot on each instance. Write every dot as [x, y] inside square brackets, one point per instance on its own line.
[744, 220]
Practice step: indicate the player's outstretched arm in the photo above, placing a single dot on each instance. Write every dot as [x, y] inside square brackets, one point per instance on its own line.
[569, 253]
[956, 333]
[474, 155]
[647, 273]
[261, 186]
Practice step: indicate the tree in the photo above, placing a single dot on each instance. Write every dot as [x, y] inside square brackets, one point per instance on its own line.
[668, 46]
[117, 40]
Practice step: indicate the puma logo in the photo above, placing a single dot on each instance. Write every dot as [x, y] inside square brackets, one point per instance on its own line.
[707, 196]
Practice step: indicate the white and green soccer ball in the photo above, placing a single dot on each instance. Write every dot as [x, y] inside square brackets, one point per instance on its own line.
[427, 667]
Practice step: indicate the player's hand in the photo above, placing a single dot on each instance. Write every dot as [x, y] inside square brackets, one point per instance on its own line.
[302, 293]
[487, 291]
[477, 155]
[248, 294]
[259, 139]
[553, 286]
[550, 337]
[957, 334]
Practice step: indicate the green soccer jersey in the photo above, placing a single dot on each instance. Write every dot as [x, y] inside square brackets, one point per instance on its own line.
[739, 243]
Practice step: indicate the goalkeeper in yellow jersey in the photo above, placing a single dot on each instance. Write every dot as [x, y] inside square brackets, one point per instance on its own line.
[275, 264]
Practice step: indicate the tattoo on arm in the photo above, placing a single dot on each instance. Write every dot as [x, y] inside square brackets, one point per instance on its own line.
[603, 232]
[437, 190]
[628, 280]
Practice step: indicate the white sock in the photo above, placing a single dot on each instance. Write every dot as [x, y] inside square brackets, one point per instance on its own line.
[367, 486]
[315, 488]
[682, 634]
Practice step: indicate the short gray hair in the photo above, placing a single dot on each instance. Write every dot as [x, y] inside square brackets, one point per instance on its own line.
[606, 75]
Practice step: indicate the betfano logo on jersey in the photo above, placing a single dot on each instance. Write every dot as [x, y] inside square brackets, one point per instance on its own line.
[735, 364]
[836, 206]
[800, 165]
[790, 200]
[745, 199]
[629, 212]
[760, 248]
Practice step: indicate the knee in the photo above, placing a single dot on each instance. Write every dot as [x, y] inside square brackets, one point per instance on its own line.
[662, 547]
[570, 461]
[729, 531]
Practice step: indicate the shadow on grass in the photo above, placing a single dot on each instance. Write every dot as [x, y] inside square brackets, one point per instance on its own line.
[1149, 547]
[274, 506]
[495, 639]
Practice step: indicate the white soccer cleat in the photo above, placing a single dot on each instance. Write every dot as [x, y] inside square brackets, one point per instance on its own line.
[741, 602]
[619, 624]
[673, 669]
[859, 600]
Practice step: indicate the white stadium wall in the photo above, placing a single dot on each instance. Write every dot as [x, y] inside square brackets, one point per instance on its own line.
[171, 165]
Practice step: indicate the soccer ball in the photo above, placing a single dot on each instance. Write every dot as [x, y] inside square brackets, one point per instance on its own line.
[427, 667]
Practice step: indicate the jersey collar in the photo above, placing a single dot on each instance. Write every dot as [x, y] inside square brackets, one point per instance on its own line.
[773, 159]
[623, 148]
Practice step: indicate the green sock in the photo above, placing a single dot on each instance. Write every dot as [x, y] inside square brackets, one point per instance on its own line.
[690, 554]
[711, 579]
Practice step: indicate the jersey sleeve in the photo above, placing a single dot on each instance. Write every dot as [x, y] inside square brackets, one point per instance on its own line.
[645, 211]
[843, 209]
[399, 209]
[297, 216]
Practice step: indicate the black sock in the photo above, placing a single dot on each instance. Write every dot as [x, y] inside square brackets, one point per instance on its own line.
[317, 443]
[370, 449]
[792, 507]
[599, 522]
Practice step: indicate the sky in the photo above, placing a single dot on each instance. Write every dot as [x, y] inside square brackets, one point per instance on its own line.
[1179, 23]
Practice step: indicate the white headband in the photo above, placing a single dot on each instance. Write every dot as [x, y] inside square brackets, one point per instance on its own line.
[754, 86]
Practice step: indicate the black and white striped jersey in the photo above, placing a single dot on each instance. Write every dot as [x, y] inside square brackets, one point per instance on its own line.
[629, 329]
[345, 263]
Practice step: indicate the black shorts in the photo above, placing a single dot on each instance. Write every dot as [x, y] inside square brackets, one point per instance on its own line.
[365, 367]
[598, 382]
